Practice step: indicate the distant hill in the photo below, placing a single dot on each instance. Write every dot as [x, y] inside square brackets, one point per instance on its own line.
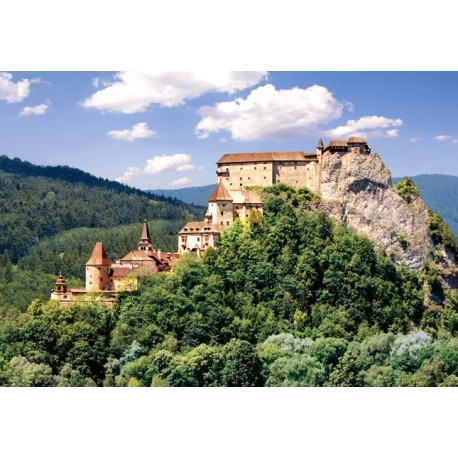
[38, 202]
[440, 192]
[197, 195]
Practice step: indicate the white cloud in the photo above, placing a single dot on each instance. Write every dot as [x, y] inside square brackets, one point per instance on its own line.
[268, 113]
[37, 110]
[133, 92]
[130, 173]
[13, 92]
[365, 127]
[415, 139]
[159, 164]
[181, 181]
[442, 138]
[186, 168]
[455, 141]
[140, 130]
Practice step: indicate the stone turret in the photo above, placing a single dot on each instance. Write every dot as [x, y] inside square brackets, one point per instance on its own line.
[98, 270]
[220, 206]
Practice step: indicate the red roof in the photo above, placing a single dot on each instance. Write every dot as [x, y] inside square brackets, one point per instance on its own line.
[99, 256]
[220, 193]
[296, 156]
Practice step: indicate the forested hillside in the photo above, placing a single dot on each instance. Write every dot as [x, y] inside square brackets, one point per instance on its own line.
[440, 192]
[289, 299]
[39, 202]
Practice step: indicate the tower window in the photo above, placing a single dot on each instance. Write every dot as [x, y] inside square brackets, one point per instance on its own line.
[265, 168]
[222, 213]
[241, 184]
[255, 168]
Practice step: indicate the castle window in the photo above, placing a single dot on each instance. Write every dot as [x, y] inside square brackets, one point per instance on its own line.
[265, 168]
[241, 168]
[230, 184]
[222, 213]
[241, 184]
[265, 178]
[227, 169]
[248, 177]
[241, 178]
[227, 223]
[198, 239]
[255, 168]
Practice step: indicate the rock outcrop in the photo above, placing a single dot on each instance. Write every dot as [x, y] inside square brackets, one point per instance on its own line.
[357, 189]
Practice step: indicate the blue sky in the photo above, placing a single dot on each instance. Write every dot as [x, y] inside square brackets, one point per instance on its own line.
[167, 129]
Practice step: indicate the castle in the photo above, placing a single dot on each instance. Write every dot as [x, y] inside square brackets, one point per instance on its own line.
[230, 200]
[107, 279]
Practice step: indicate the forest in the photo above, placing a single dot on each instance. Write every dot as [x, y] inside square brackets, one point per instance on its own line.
[288, 299]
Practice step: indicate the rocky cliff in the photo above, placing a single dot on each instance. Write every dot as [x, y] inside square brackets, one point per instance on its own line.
[357, 189]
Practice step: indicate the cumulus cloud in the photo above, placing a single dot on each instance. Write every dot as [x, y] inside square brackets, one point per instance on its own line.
[130, 173]
[181, 181]
[14, 92]
[134, 92]
[140, 130]
[368, 126]
[159, 164]
[37, 110]
[186, 168]
[268, 113]
[442, 138]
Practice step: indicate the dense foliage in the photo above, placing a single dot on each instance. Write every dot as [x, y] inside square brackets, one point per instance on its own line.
[288, 299]
[46, 202]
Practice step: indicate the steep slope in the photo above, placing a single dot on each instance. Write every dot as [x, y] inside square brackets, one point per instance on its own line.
[357, 190]
[440, 192]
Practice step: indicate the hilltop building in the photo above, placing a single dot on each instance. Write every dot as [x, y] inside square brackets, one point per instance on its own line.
[231, 200]
[107, 279]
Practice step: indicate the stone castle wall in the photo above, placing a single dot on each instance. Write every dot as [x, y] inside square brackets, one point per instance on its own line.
[295, 173]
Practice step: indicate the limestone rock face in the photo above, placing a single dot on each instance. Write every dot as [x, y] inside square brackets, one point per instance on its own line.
[357, 189]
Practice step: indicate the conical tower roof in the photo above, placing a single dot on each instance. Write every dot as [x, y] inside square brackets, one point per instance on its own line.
[320, 144]
[145, 232]
[220, 193]
[99, 256]
[60, 280]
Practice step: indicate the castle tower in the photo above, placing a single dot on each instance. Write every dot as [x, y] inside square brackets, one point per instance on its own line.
[319, 147]
[98, 270]
[357, 145]
[145, 243]
[60, 288]
[220, 206]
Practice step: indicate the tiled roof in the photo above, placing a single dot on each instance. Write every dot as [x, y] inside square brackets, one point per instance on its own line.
[99, 256]
[262, 157]
[194, 227]
[245, 197]
[220, 193]
[136, 255]
[356, 140]
[121, 271]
